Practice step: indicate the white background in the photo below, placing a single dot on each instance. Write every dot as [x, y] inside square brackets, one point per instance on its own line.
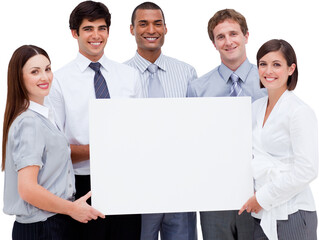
[45, 23]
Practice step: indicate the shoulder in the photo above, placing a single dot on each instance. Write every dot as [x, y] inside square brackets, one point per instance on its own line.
[130, 62]
[119, 67]
[296, 106]
[207, 77]
[69, 67]
[26, 121]
[176, 62]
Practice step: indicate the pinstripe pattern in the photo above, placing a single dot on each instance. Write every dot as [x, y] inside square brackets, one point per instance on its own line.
[54, 228]
[173, 74]
[235, 89]
[301, 225]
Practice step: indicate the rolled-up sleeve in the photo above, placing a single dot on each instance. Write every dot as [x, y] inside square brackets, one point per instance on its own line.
[28, 144]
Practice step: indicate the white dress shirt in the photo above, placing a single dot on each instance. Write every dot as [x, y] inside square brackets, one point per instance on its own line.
[72, 89]
[285, 159]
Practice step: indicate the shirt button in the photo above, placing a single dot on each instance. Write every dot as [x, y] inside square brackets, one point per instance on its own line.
[70, 185]
[69, 172]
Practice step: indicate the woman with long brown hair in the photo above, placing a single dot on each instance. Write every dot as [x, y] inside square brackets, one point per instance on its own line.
[39, 179]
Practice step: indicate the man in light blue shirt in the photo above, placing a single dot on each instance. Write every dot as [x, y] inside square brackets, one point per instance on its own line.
[168, 78]
[229, 33]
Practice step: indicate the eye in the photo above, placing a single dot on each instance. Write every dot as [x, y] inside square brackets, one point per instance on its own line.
[262, 64]
[48, 69]
[220, 37]
[34, 72]
[277, 65]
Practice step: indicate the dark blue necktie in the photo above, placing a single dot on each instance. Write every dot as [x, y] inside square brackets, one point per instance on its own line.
[100, 86]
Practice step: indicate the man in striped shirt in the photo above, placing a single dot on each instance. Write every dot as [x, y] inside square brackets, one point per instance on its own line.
[149, 28]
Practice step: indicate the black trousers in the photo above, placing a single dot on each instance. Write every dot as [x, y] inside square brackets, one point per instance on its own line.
[56, 227]
[113, 227]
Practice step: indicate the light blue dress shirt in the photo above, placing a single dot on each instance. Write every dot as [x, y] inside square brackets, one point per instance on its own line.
[217, 83]
[33, 140]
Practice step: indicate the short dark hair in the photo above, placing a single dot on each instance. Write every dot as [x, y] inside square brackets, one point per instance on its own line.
[289, 54]
[223, 15]
[146, 5]
[89, 10]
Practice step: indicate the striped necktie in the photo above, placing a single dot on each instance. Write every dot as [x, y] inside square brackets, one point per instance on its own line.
[155, 88]
[100, 86]
[235, 89]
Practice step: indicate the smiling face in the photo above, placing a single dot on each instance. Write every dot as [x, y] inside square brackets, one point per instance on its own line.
[274, 72]
[92, 38]
[37, 77]
[230, 43]
[149, 30]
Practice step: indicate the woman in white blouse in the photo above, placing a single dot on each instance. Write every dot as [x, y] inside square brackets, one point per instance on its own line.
[39, 178]
[285, 151]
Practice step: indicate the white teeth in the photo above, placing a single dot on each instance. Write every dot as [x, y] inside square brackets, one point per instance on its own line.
[270, 79]
[151, 39]
[43, 85]
[95, 44]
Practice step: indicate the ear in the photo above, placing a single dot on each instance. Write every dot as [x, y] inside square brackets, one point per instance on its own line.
[74, 33]
[132, 29]
[165, 29]
[291, 69]
[246, 37]
[214, 44]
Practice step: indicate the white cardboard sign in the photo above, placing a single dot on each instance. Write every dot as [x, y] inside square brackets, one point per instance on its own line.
[170, 154]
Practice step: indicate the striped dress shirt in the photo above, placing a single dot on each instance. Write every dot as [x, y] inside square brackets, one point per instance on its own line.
[173, 74]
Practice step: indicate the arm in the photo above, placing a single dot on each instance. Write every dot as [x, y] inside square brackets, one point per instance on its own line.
[31, 192]
[80, 153]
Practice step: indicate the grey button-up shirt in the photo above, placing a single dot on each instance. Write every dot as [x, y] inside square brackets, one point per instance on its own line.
[34, 140]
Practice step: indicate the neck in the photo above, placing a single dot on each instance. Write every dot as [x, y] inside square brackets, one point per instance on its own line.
[234, 65]
[151, 56]
[274, 95]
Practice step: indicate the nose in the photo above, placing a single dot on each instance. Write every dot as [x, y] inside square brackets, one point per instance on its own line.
[228, 40]
[151, 29]
[95, 34]
[45, 76]
[269, 69]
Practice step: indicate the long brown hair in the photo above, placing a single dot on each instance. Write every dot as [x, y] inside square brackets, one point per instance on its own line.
[17, 95]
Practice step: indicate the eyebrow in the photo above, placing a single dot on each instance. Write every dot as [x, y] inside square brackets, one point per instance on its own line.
[40, 67]
[86, 27]
[156, 21]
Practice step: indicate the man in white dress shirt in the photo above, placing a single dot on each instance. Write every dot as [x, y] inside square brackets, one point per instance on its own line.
[73, 87]
[172, 76]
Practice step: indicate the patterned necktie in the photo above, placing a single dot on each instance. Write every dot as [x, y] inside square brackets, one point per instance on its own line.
[155, 88]
[235, 89]
[101, 90]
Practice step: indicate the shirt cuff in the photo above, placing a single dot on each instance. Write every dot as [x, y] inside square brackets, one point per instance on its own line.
[264, 199]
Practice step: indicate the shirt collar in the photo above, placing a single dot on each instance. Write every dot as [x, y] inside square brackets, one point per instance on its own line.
[242, 71]
[142, 63]
[38, 108]
[83, 62]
